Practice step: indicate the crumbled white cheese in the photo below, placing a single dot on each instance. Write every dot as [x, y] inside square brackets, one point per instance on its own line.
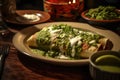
[92, 41]
[54, 33]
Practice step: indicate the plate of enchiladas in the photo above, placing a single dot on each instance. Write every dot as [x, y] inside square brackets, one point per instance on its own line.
[64, 43]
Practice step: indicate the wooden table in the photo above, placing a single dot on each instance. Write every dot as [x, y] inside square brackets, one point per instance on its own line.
[20, 67]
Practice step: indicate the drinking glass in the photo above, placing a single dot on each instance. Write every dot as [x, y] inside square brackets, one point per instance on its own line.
[3, 28]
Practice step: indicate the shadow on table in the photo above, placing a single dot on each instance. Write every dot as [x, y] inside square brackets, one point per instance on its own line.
[55, 71]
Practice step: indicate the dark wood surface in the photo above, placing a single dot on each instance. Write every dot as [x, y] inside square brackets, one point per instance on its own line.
[20, 67]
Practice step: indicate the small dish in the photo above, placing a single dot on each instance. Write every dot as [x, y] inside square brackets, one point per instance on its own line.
[43, 17]
[105, 65]
[99, 22]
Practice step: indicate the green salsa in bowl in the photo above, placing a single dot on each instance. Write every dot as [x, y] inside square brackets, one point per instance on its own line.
[105, 65]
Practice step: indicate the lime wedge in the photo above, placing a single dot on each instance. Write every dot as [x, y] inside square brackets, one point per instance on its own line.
[108, 60]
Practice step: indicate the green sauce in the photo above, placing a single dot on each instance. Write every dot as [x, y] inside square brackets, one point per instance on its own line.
[37, 51]
[110, 68]
[103, 13]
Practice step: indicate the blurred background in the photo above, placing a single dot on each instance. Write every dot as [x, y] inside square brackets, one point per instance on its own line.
[29, 4]
[38, 4]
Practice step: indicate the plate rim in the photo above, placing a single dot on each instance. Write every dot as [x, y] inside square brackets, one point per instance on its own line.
[22, 35]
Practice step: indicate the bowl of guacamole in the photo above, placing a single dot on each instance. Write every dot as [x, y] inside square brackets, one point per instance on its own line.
[102, 15]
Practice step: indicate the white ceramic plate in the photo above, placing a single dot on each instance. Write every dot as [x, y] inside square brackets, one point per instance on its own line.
[19, 41]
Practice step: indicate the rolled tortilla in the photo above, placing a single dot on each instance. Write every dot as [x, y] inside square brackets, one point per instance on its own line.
[33, 41]
[90, 51]
[106, 44]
